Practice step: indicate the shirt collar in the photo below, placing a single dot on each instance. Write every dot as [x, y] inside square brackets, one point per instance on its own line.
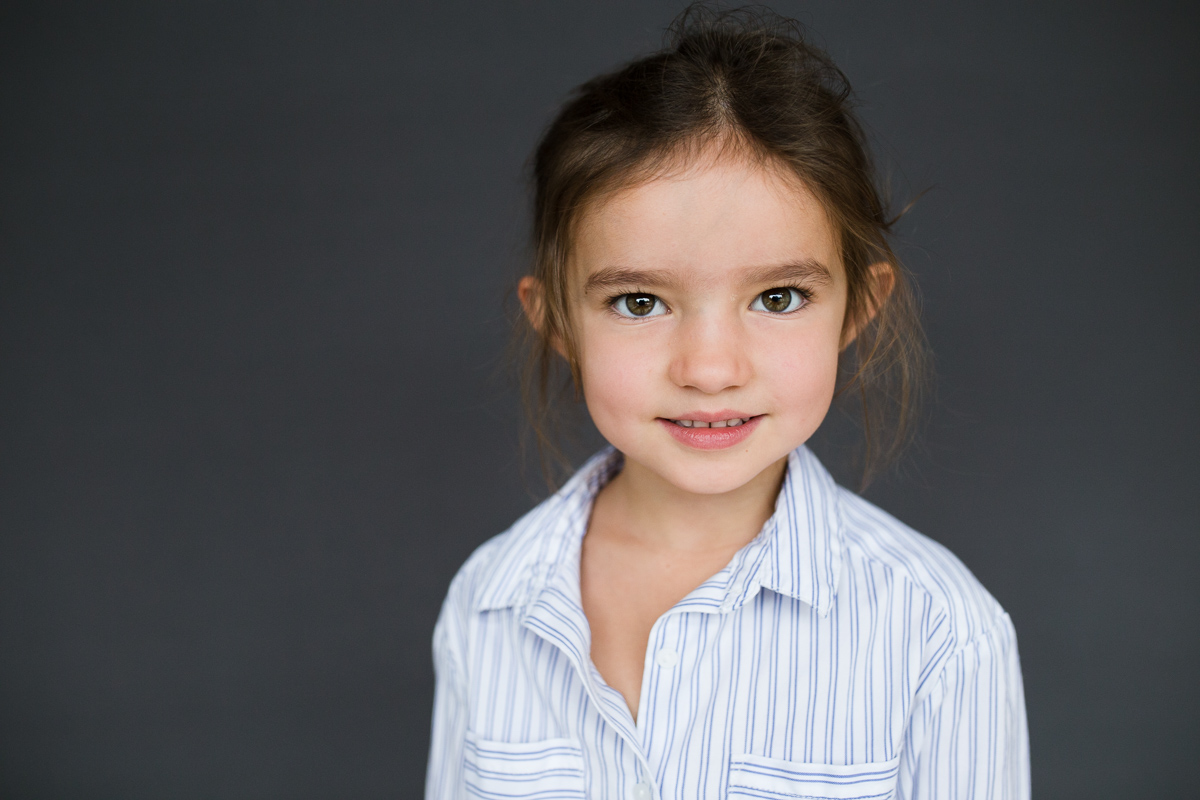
[798, 552]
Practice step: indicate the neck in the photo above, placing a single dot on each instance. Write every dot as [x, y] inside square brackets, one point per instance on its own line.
[660, 515]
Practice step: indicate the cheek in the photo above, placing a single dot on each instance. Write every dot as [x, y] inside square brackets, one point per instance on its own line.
[618, 373]
[804, 373]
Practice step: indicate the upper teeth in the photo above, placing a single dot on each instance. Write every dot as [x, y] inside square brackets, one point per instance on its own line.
[723, 423]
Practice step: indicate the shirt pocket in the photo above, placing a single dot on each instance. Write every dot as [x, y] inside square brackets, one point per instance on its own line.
[774, 779]
[551, 769]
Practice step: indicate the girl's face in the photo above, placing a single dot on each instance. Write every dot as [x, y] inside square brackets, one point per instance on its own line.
[707, 308]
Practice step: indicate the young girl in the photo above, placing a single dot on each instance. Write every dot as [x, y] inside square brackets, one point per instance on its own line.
[701, 612]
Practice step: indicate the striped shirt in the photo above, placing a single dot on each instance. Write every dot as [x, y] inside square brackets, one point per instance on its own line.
[839, 654]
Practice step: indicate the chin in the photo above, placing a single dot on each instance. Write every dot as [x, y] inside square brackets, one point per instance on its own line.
[706, 475]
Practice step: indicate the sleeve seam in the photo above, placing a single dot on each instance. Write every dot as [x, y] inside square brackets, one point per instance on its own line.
[958, 653]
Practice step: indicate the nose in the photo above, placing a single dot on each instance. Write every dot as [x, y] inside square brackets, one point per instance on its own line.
[709, 352]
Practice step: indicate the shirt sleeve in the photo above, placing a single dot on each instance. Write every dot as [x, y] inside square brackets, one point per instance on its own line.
[968, 738]
[444, 774]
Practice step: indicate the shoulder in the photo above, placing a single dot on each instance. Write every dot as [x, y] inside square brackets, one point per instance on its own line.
[477, 571]
[502, 571]
[875, 540]
[500, 574]
[497, 574]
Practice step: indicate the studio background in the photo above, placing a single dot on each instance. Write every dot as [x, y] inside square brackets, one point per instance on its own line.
[253, 259]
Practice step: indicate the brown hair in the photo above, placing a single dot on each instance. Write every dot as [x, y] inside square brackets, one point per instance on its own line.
[747, 79]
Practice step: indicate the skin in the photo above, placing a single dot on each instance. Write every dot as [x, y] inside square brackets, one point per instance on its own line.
[706, 241]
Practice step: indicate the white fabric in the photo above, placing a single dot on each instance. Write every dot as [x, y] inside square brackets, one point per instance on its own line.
[840, 654]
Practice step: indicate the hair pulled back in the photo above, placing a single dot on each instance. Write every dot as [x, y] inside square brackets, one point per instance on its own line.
[743, 79]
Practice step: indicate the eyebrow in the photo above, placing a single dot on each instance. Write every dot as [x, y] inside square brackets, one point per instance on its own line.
[806, 270]
[621, 278]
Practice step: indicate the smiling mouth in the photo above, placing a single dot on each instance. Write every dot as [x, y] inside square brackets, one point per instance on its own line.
[721, 423]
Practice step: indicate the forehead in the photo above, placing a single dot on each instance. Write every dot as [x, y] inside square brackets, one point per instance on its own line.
[706, 223]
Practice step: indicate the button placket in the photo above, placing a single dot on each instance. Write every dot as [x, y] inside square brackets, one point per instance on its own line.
[662, 658]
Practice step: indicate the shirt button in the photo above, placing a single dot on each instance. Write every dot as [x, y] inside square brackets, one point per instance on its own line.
[641, 791]
[665, 658]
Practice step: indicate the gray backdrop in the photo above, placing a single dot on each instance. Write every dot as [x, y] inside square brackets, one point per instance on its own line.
[253, 260]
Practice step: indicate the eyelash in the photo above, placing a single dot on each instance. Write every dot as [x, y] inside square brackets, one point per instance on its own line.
[805, 294]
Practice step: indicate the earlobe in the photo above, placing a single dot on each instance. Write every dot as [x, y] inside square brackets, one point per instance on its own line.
[881, 279]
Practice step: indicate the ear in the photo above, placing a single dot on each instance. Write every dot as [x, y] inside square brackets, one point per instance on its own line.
[529, 292]
[881, 279]
[532, 295]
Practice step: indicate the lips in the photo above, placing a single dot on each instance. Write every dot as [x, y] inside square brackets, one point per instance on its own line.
[711, 431]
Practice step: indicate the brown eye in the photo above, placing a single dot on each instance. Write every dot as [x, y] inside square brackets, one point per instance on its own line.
[778, 300]
[638, 305]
